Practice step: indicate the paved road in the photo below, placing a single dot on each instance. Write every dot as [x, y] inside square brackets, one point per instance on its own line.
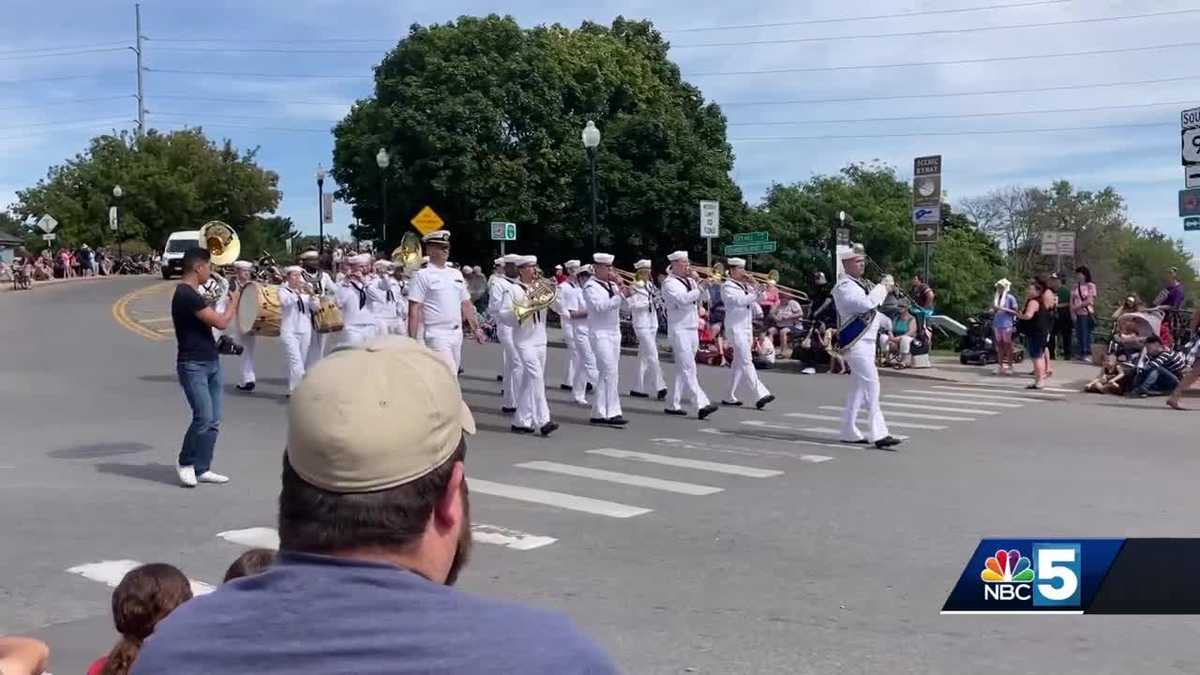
[750, 543]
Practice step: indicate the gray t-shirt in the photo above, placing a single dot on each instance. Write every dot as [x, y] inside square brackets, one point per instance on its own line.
[320, 615]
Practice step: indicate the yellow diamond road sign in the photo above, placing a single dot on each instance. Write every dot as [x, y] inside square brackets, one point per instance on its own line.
[427, 221]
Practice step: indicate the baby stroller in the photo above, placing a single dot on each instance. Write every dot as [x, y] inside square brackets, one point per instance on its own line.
[978, 346]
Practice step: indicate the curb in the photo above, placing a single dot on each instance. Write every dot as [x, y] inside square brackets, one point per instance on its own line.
[6, 287]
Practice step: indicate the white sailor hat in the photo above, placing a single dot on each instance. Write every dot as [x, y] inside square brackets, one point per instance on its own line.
[572, 264]
[381, 264]
[603, 258]
[735, 262]
[586, 269]
[848, 252]
[678, 256]
[292, 268]
[511, 259]
[243, 265]
[437, 237]
[361, 259]
[498, 262]
[642, 265]
[309, 253]
[526, 260]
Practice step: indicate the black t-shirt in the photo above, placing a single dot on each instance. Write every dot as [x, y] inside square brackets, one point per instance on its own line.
[195, 339]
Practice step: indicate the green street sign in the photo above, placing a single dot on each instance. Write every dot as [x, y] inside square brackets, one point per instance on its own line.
[1191, 224]
[504, 231]
[751, 248]
[751, 237]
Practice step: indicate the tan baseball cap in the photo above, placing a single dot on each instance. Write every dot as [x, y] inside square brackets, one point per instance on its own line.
[374, 418]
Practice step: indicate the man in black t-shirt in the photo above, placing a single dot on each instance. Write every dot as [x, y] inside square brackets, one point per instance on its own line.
[199, 368]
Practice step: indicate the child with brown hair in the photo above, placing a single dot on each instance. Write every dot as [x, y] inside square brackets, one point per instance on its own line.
[144, 597]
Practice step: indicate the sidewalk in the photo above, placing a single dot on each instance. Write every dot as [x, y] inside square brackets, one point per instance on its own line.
[7, 287]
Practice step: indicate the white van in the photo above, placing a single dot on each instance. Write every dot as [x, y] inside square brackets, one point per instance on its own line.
[178, 244]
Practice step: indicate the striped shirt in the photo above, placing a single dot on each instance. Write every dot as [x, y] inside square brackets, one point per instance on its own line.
[1172, 361]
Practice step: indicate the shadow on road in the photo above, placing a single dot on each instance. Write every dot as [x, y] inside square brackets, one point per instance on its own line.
[94, 450]
[155, 472]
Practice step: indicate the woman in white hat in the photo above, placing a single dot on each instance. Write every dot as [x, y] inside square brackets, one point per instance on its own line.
[1004, 308]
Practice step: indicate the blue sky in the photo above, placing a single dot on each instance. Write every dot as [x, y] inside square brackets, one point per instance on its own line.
[45, 118]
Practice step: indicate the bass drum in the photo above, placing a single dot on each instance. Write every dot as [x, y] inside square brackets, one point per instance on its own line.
[259, 312]
[328, 319]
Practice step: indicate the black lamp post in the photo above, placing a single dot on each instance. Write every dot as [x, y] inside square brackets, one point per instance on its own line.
[117, 192]
[591, 141]
[382, 160]
[321, 209]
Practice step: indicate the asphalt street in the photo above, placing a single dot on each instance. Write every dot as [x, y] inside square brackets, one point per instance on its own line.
[749, 543]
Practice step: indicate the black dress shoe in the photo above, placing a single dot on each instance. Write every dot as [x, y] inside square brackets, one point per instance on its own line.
[617, 421]
[675, 411]
[590, 387]
[499, 378]
[521, 430]
[565, 387]
[548, 428]
[638, 394]
[762, 402]
[735, 404]
[706, 411]
[887, 442]
[861, 441]
[508, 411]
[248, 387]
[662, 394]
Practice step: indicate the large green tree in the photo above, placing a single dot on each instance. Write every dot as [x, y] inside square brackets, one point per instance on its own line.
[482, 119]
[171, 181]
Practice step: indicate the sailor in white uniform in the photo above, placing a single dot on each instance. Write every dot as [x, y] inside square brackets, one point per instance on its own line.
[682, 292]
[244, 275]
[741, 297]
[570, 300]
[566, 290]
[857, 308]
[643, 311]
[324, 287]
[499, 287]
[439, 303]
[385, 309]
[529, 339]
[604, 295]
[397, 323]
[296, 303]
[353, 298]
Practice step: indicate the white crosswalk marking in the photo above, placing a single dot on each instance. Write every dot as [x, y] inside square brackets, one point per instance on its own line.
[560, 500]
[622, 478]
[1021, 385]
[969, 397]
[950, 401]
[838, 418]
[110, 573]
[684, 462]
[793, 441]
[915, 416]
[815, 430]
[268, 537]
[743, 450]
[1026, 394]
[962, 411]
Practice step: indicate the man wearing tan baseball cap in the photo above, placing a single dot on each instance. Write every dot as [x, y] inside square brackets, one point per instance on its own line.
[374, 527]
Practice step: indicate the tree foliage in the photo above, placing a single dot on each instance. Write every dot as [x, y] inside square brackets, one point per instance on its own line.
[171, 181]
[482, 119]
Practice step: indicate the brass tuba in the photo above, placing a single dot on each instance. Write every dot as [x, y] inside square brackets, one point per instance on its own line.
[541, 295]
[407, 255]
[222, 244]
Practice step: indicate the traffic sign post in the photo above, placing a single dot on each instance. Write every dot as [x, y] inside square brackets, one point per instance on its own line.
[49, 236]
[1191, 224]
[1058, 243]
[427, 220]
[751, 248]
[503, 233]
[927, 203]
[47, 223]
[710, 224]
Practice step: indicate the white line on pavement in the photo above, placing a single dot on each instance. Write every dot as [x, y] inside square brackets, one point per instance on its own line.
[915, 416]
[815, 430]
[557, 499]
[966, 411]
[1021, 385]
[622, 478]
[698, 464]
[268, 537]
[838, 418]
[741, 450]
[794, 441]
[964, 397]
[110, 573]
[1023, 395]
[951, 401]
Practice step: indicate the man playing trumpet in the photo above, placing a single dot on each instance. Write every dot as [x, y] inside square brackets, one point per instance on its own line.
[742, 296]
[603, 296]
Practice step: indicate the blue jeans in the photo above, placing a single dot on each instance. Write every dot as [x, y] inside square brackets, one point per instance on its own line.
[201, 382]
[1083, 336]
[1156, 381]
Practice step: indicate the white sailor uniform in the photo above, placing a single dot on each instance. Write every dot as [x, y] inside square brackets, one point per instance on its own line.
[441, 292]
[529, 342]
[295, 330]
[644, 317]
[741, 307]
[681, 296]
[499, 288]
[603, 300]
[852, 300]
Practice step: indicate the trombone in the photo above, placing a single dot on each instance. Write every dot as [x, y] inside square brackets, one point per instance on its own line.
[772, 277]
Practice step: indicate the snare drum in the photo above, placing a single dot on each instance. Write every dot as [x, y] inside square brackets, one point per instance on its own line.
[259, 312]
[328, 319]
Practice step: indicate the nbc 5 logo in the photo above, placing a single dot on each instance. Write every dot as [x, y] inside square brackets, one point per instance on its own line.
[1058, 575]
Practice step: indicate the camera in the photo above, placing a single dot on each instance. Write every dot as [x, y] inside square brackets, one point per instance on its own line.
[226, 345]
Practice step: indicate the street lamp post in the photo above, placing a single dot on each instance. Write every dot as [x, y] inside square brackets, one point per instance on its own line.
[382, 160]
[591, 141]
[321, 209]
[117, 192]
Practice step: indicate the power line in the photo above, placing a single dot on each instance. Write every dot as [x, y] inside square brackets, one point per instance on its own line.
[898, 15]
[114, 43]
[273, 42]
[65, 101]
[935, 31]
[212, 99]
[38, 134]
[893, 97]
[51, 79]
[984, 132]
[260, 50]
[946, 62]
[267, 75]
[61, 122]
[78, 52]
[181, 125]
[1011, 113]
[223, 117]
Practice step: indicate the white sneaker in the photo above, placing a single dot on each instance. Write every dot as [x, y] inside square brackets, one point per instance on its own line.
[187, 475]
[212, 477]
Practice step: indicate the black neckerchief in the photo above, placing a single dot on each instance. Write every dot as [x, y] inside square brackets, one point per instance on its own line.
[317, 280]
[606, 286]
[299, 300]
[362, 292]
[861, 284]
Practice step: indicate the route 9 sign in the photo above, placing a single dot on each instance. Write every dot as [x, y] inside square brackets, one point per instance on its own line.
[1189, 122]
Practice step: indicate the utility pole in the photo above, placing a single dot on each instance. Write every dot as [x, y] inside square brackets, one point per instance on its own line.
[141, 101]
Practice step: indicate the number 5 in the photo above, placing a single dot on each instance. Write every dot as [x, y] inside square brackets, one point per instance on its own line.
[1050, 568]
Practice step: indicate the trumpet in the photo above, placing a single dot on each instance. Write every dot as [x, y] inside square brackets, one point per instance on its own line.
[713, 275]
